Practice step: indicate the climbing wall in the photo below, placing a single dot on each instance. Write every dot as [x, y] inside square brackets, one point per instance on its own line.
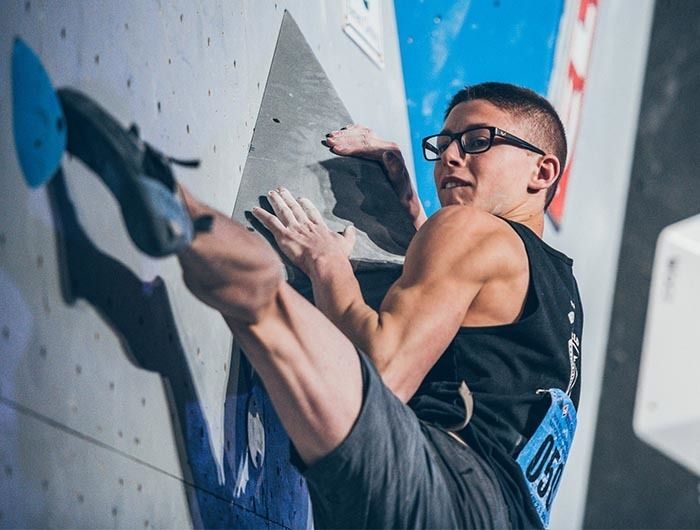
[124, 402]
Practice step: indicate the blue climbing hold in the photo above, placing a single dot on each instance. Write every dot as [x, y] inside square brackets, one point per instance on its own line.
[37, 118]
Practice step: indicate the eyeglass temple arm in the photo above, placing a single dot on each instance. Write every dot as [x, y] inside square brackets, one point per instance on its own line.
[519, 141]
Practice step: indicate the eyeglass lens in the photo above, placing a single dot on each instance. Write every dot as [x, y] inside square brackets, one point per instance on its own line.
[473, 141]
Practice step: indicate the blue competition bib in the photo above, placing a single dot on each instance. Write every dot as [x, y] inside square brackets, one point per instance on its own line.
[542, 459]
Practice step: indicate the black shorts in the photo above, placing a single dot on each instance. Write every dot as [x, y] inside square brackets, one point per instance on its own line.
[395, 471]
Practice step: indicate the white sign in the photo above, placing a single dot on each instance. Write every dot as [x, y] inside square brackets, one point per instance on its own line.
[362, 22]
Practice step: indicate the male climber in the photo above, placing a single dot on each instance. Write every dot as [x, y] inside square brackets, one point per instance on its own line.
[453, 406]
[481, 332]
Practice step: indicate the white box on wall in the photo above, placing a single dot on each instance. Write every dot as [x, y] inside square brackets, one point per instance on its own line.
[667, 408]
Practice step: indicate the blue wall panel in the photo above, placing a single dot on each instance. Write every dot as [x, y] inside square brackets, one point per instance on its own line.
[446, 45]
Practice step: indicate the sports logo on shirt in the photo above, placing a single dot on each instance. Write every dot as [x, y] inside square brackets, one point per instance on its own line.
[574, 347]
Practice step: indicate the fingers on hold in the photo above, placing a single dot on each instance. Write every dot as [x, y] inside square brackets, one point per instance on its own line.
[334, 136]
[280, 207]
[268, 220]
[311, 211]
[349, 131]
[286, 196]
[294, 206]
[339, 149]
[358, 128]
[350, 237]
[344, 130]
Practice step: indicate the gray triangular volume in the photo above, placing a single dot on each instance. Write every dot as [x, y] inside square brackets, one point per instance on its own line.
[298, 108]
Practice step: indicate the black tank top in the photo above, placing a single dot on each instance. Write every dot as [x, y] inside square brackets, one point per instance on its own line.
[505, 366]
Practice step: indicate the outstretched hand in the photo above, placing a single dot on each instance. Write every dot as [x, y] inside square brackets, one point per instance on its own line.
[301, 232]
[359, 141]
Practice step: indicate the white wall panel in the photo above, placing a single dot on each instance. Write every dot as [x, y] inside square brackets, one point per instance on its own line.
[191, 75]
[595, 206]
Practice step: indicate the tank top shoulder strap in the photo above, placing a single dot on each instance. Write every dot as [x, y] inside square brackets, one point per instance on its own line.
[533, 241]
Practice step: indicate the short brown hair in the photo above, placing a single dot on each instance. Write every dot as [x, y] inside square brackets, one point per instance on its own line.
[523, 103]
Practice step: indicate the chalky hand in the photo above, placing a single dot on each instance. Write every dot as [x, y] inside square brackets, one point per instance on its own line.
[301, 232]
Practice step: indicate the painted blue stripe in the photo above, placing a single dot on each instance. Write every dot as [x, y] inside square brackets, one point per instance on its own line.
[446, 45]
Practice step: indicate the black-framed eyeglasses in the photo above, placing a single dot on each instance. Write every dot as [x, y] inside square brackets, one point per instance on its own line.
[472, 140]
